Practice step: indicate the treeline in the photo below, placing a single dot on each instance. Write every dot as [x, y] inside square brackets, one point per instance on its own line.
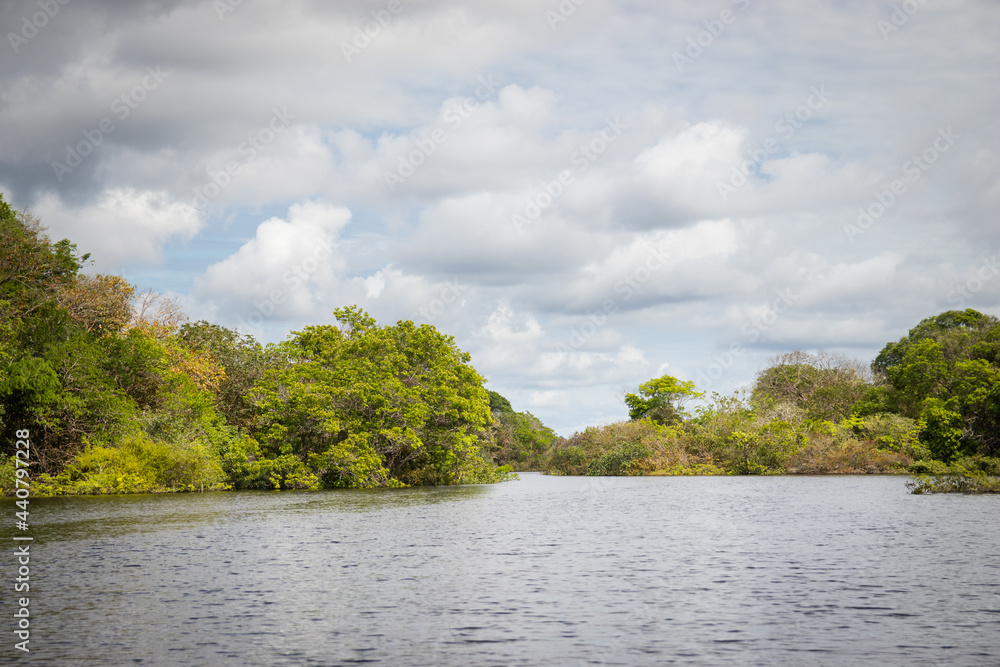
[122, 395]
[928, 404]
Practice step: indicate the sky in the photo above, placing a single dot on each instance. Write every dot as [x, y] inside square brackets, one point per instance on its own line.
[586, 194]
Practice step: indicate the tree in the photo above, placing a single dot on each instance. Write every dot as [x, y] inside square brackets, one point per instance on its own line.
[661, 399]
[825, 386]
[945, 373]
[243, 361]
[498, 404]
[33, 269]
[366, 405]
[99, 304]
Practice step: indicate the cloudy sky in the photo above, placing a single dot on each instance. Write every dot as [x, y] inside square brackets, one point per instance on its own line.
[585, 193]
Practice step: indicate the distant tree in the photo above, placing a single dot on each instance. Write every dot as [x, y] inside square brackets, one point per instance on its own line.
[661, 399]
[157, 314]
[243, 361]
[99, 304]
[498, 404]
[823, 385]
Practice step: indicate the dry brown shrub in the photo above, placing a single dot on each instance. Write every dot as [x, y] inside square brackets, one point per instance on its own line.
[825, 456]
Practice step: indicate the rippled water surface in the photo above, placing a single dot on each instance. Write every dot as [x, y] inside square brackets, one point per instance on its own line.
[545, 570]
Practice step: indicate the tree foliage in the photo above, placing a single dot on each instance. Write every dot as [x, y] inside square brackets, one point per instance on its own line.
[946, 373]
[122, 394]
[661, 399]
[367, 405]
[518, 439]
[824, 385]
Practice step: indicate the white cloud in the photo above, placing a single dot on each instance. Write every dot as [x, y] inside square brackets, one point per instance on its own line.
[277, 272]
[441, 246]
[122, 227]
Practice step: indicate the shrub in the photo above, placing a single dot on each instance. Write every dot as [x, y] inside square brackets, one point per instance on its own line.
[967, 483]
[629, 458]
[826, 454]
[137, 464]
[623, 448]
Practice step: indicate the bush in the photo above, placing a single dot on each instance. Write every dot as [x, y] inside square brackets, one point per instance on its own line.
[744, 441]
[623, 448]
[246, 468]
[137, 464]
[827, 454]
[566, 460]
[968, 483]
[629, 458]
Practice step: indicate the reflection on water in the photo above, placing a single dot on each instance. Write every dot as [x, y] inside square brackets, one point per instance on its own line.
[774, 570]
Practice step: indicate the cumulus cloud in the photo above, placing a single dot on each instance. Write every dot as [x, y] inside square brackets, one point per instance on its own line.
[577, 211]
[122, 227]
[277, 272]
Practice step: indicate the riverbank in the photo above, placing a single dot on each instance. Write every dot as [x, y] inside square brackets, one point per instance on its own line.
[737, 440]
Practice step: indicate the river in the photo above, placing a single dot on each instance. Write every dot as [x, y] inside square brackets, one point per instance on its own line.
[541, 571]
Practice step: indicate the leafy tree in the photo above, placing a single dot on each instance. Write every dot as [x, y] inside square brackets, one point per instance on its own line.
[99, 304]
[366, 405]
[50, 381]
[498, 404]
[33, 270]
[661, 399]
[520, 440]
[243, 362]
[944, 372]
[825, 386]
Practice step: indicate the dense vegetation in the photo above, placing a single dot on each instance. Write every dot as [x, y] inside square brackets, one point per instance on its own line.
[122, 395]
[928, 405]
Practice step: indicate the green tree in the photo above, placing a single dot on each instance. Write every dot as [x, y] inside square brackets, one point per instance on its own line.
[520, 440]
[661, 399]
[366, 405]
[498, 404]
[243, 360]
[945, 373]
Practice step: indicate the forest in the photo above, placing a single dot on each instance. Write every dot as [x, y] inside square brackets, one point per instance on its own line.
[122, 394]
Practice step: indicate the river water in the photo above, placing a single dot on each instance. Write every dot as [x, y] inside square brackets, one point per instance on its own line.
[541, 571]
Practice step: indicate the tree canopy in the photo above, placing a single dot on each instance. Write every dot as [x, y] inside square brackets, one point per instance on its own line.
[946, 373]
[122, 394]
[661, 399]
[368, 405]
